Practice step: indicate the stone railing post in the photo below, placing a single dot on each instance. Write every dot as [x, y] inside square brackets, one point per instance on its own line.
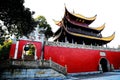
[100, 68]
[112, 67]
[66, 69]
[50, 62]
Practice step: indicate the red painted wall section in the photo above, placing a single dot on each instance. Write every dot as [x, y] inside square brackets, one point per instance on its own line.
[22, 43]
[114, 58]
[12, 51]
[77, 60]
[38, 46]
[80, 60]
[20, 48]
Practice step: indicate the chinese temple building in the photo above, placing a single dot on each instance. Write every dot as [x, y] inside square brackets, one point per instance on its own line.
[74, 28]
[77, 47]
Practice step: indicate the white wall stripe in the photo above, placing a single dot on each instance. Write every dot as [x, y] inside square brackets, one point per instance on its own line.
[16, 50]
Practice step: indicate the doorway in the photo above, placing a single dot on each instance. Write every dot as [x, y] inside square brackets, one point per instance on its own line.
[29, 52]
[104, 64]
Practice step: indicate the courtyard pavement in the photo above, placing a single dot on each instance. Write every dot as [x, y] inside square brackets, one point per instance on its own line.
[103, 76]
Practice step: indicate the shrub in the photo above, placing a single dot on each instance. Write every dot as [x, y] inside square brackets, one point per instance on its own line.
[4, 49]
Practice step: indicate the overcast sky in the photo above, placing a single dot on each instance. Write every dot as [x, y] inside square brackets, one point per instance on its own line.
[107, 11]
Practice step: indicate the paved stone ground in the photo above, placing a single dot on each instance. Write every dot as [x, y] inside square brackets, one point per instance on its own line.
[49, 74]
[103, 76]
[31, 74]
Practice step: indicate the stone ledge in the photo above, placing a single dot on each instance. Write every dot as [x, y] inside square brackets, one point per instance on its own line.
[31, 74]
[83, 73]
[71, 45]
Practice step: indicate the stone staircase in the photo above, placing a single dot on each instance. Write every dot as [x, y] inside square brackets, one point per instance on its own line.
[32, 70]
[31, 74]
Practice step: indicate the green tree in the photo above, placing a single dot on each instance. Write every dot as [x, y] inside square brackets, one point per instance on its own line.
[4, 49]
[16, 17]
[43, 24]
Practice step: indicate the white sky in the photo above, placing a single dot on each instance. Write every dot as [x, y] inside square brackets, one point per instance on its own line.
[108, 12]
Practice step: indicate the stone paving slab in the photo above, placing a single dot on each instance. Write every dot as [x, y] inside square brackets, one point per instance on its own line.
[103, 76]
[114, 77]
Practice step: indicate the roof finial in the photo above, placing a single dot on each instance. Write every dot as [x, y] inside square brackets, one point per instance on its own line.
[64, 4]
[73, 11]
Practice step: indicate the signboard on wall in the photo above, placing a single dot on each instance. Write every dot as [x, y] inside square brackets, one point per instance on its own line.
[102, 53]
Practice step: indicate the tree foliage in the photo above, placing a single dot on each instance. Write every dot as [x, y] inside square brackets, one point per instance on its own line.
[4, 49]
[43, 24]
[16, 17]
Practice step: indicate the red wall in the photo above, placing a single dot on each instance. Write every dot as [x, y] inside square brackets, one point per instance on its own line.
[12, 51]
[78, 59]
[38, 47]
[114, 58]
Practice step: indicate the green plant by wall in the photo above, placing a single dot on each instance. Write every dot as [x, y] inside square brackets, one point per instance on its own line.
[31, 50]
[5, 49]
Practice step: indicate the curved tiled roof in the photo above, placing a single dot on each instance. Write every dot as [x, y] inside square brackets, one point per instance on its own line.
[81, 16]
[108, 39]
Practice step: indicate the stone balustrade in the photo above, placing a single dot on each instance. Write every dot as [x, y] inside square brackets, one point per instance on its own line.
[58, 67]
[71, 45]
[27, 64]
[33, 64]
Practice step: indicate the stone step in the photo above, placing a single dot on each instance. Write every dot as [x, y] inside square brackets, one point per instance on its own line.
[31, 74]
